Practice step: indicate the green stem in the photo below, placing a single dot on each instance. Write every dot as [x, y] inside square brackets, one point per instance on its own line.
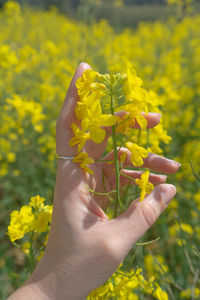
[98, 193]
[147, 243]
[130, 178]
[31, 255]
[193, 171]
[118, 202]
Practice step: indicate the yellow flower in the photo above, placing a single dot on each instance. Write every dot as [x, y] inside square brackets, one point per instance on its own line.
[144, 184]
[137, 153]
[11, 157]
[15, 232]
[84, 161]
[155, 265]
[26, 247]
[42, 221]
[141, 121]
[89, 111]
[84, 105]
[174, 229]
[160, 294]
[37, 202]
[187, 293]
[80, 137]
[40, 255]
[21, 222]
[122, 158]
[27, 217]
[12, 7]
[132, 80]
[83, 83]
[95, 120]
[134, 92]
[124, 123]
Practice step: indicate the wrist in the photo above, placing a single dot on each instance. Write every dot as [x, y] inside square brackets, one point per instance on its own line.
[47, 283]
[52, 283]
[29, 290]
[41, 290]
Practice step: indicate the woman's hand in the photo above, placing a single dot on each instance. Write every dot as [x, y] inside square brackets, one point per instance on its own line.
[84, 247]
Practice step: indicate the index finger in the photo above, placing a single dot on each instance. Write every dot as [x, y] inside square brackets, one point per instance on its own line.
[67, 113]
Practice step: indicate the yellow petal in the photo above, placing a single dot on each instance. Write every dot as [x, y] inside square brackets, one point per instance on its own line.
[108, 120]
[141, 121]
[97, 134]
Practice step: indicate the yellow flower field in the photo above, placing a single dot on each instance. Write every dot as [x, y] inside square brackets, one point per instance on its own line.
[39, 51]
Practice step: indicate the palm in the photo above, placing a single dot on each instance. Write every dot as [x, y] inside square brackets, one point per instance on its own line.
[103, 179]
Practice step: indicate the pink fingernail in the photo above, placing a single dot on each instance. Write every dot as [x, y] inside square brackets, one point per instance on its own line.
[176, 163]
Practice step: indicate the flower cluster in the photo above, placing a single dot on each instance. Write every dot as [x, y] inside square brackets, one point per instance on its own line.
[100, 98]
[128, 285]
[29, 223]
[89, 112]
[33, 217]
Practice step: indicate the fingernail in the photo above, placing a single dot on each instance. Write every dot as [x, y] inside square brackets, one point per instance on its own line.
[164, 192]
[176, 163]
[171, 192]
[155, 114]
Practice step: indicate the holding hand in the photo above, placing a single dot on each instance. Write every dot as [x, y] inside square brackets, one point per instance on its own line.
[84, 247]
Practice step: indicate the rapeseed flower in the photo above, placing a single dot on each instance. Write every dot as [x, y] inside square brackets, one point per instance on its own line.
[188, 292]
[37, 202]
[84, 83]
[159, 293]
[80, 137]
[144, 184]
[95, 120]
[83, 159]
[137, 153]
[42, 220]
[21, 223]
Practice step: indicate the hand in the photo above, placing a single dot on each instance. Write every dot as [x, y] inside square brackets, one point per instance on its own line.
[84, 247]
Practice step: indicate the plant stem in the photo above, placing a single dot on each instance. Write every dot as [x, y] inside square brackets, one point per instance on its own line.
[118, 202]
[31, 255]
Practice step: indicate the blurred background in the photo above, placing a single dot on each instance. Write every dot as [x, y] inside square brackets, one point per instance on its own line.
[41, 44]
[119, 13]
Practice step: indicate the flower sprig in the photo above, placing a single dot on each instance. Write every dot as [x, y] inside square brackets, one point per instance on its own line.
[31, 224]
[125, 285]
[116, 101]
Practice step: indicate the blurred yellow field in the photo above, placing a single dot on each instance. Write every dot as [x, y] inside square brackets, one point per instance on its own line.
[39, 52]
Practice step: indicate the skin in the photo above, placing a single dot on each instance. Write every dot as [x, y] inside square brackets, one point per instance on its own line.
[84, 247]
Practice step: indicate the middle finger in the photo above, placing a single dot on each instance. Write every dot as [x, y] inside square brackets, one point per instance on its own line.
[152, 161]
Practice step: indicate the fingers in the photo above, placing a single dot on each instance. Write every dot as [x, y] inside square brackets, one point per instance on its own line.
[67, 114]
[140, 216]
[96, 150]
[153, 119]
[161, 164]
[154, 162]
[153, 178]
[67, 117]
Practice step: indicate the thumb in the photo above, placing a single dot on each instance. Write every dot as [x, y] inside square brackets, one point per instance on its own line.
[140, 216]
